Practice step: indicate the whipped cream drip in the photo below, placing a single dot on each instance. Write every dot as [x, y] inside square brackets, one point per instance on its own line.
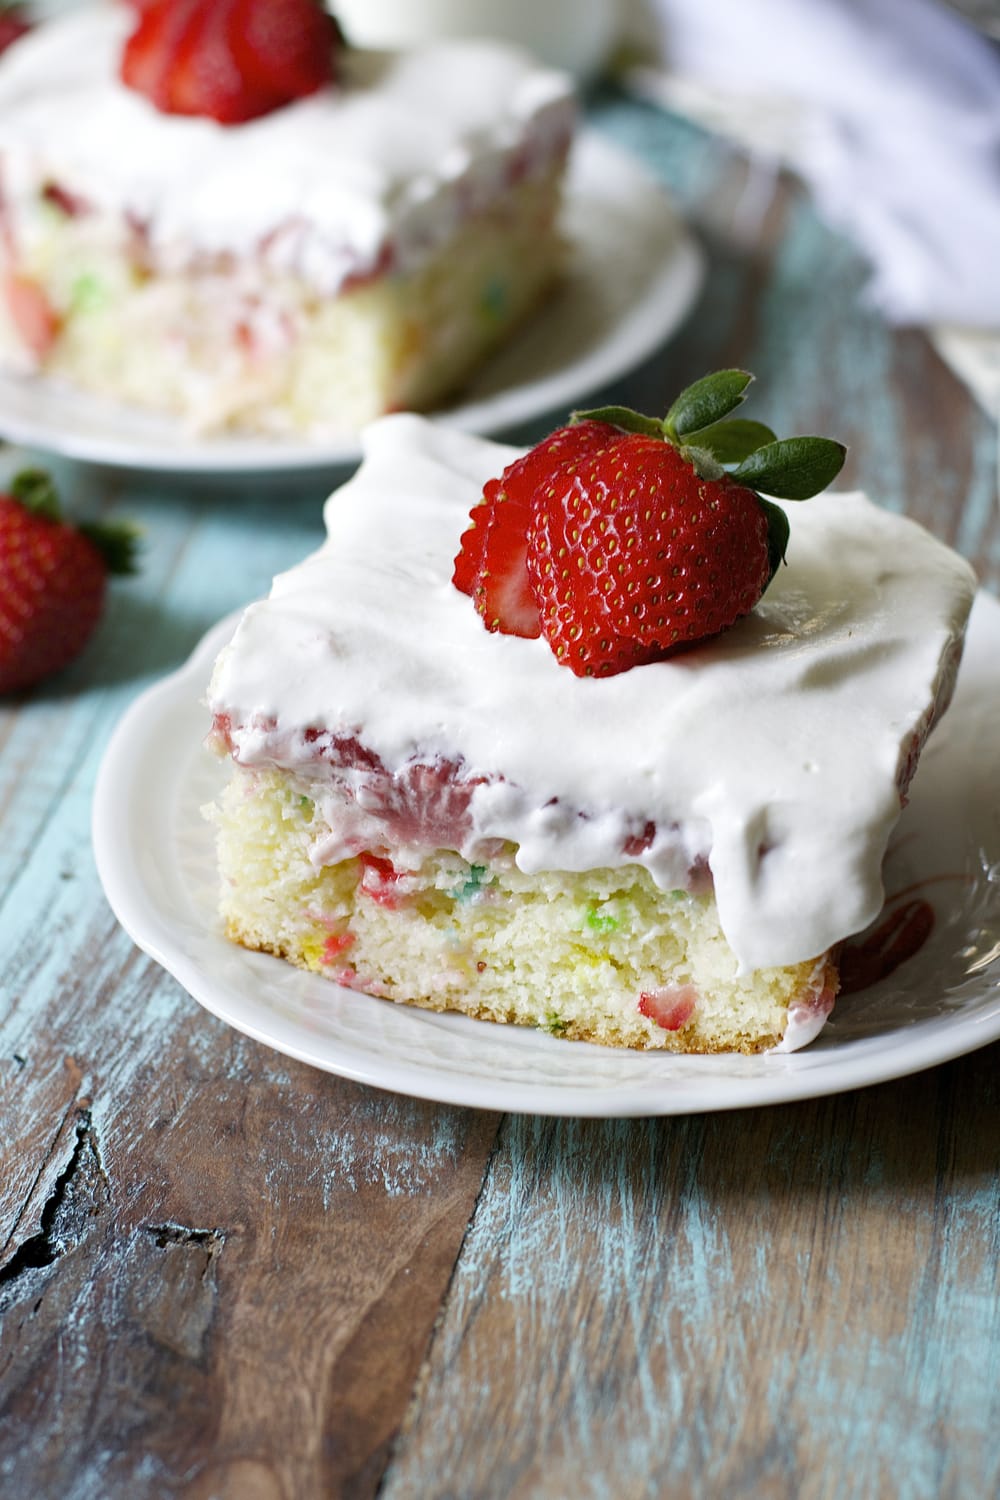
[775, 754]
[386, 160]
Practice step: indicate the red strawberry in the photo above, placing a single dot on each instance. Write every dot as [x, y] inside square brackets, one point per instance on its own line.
[635, 556]
[13, 25]
[229, 60]
[150, 49]
[633, 541]
[670, 1007]
[491, 562]
[284, 46]
[52, 581]
[204, 76]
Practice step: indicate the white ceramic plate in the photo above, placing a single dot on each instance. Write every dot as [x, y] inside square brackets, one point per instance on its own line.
[155, 858]
[634, 273]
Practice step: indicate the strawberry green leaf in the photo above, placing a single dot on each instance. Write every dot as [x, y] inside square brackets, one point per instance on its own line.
[623, 417]
[706, 402]
[777, 536]
[117, 542]
[794, 468]
[35, 490]
[733, 440]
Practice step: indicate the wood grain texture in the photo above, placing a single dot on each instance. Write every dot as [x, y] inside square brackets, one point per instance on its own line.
[795, 1302]
[231, 1283]
[219, 1271]
[225, 1276]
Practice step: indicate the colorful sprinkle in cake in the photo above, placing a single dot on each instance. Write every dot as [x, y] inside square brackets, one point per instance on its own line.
[494, 768]
[224, 212]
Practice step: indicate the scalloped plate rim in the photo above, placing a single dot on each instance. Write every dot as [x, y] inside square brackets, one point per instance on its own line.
[665, 1084]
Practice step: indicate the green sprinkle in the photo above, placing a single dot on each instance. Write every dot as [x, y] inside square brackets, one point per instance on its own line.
[470, 885]
[599, 921]
[88, 293]
[493, 303]
[554, 1023]
[305, 803]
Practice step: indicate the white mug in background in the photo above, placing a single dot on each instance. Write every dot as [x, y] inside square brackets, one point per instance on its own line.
[573, 34]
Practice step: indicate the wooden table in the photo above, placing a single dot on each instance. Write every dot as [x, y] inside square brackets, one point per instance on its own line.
[227, 1275]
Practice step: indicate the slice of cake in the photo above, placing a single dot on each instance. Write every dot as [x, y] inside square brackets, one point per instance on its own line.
[358, 244]
[441, 813]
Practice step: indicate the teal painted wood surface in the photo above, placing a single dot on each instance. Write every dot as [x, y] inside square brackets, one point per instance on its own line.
[222, 1274]
[799, 1301]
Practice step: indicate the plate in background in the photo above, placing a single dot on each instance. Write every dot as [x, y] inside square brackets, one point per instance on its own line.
[633, 275]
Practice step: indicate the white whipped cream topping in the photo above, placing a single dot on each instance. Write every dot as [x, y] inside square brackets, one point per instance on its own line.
[391, 155]
[773, 752]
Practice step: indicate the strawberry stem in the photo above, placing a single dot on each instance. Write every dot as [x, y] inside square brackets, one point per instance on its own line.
[702, 460]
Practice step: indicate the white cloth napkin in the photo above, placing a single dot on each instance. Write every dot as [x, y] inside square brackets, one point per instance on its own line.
[890, 112]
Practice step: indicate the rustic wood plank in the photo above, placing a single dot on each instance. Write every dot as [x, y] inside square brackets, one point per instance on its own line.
[219, 1271]
[49, 894]
[229, 1282]
[32, 1147]
[796, 1302]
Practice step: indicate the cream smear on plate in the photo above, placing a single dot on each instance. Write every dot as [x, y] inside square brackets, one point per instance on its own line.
[774, 754]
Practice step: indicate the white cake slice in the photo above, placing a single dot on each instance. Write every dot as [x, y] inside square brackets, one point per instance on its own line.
[668, 857]
[354, 252]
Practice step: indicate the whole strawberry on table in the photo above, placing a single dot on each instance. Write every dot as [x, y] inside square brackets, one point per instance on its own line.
[623, 539]
[53, 579]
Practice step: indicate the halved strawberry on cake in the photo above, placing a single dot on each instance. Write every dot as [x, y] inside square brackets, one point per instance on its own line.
[594, 739]
[219, 209]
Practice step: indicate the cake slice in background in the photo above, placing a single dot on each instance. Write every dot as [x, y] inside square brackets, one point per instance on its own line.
[290, 255]
[445, 814]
